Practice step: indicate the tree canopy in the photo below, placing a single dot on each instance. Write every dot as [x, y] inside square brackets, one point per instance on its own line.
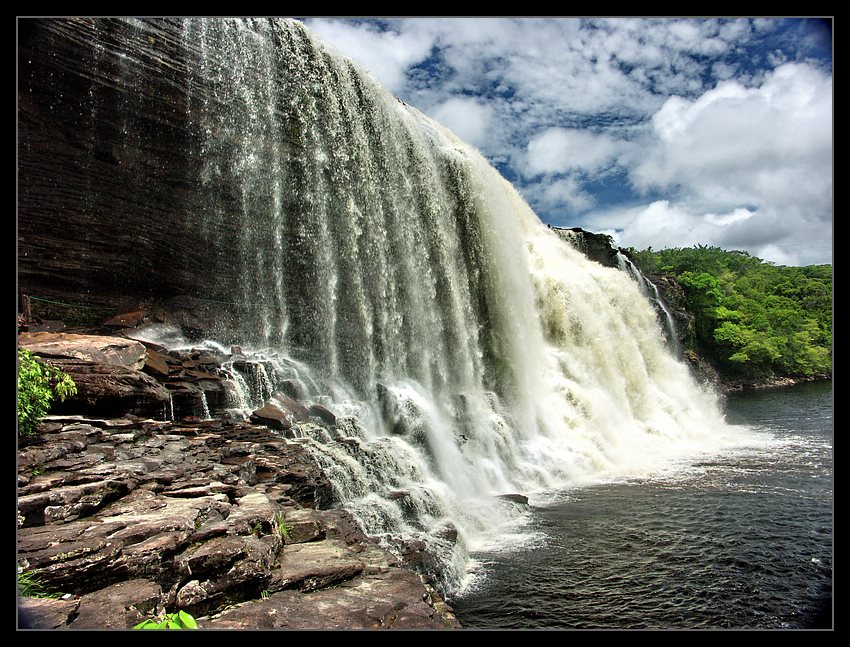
[753, 318]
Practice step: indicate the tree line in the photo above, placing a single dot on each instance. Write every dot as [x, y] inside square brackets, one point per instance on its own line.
[752, 318]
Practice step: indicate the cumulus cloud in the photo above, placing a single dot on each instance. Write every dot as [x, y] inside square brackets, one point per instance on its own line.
[386, 54]
[763, 152]
[734, 139]
[469, 118]
[662, 224]
[563, 194]
[558, 150]
[764, 233]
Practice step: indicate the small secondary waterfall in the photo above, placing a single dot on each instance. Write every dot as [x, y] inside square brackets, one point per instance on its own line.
[382, 268]
[650, 290]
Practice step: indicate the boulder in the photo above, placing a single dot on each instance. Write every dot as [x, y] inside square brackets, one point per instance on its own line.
[111, 389]
[292, 388]
[156, 363]
[127, 319]
[229, 566]
[213, 556]
[106, 371]
[298, 411]
[272, 416]
[447, 532]
[316, 565]
[519, 499]
[69, 502]
[304, 526]
[322, 413]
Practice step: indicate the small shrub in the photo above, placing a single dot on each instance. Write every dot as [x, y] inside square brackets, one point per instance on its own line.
[38, 385]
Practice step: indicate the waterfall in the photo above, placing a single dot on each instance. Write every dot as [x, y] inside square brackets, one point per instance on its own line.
[380, 267]
[650, 290]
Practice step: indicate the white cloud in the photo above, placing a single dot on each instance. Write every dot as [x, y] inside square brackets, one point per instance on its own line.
[662, 224]
[386, 54]
[768, 147]
[468, 118]
[775, 254]
[564, 194]
[729, 218]
[558, 150]
[723, 71]
[766, 233]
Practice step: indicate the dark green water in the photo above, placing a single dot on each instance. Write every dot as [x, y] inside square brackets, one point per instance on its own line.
[743, 540]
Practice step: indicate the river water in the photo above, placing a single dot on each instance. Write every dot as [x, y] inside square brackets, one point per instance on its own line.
[741, 540]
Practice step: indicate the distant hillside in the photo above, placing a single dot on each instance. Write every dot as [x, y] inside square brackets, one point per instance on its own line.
[753, 320]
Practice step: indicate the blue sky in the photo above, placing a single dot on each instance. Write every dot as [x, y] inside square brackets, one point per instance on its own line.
[661, 132]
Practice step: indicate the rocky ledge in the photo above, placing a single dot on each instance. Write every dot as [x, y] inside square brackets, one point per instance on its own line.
[228, 520]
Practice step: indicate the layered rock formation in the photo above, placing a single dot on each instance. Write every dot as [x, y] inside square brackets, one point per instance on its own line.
[227, 520]
[110, 203]
[597, 247]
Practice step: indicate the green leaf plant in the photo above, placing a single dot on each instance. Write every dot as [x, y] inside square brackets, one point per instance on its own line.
[38, 385]
[179, 620]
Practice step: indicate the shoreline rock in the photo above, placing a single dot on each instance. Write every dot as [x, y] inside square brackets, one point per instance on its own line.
[228, 520]
[225, 523]
[731, 386]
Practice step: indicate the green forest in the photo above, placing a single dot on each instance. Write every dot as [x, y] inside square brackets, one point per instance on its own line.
[753, 318]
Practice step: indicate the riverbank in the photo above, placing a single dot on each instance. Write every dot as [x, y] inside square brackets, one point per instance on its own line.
[729, 385]
[127, 516]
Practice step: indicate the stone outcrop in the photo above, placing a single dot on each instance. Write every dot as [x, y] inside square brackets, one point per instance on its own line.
[597, 247]
[98, 349]
[272, 416]
[132, 516]
[228, 520]
[106, 371]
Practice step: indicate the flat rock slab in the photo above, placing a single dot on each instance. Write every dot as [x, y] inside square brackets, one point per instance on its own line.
[45, 613]
[127, 319]
[120, 606]
[272, 416]
[131, 516]
[112, 351]
[316, 565]
[390, 600]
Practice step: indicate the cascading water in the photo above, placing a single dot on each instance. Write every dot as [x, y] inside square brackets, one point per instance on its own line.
[650, 290]
[388, 272]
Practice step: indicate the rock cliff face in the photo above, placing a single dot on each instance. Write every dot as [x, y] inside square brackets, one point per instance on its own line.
[597, 247]
[109, 163]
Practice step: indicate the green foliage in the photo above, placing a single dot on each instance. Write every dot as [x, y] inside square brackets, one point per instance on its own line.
[283, 528]
[30, 585]
[754, 318]
[38, 385]
[179, 620]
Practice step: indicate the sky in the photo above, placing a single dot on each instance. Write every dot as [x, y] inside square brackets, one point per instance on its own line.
[660, 132]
